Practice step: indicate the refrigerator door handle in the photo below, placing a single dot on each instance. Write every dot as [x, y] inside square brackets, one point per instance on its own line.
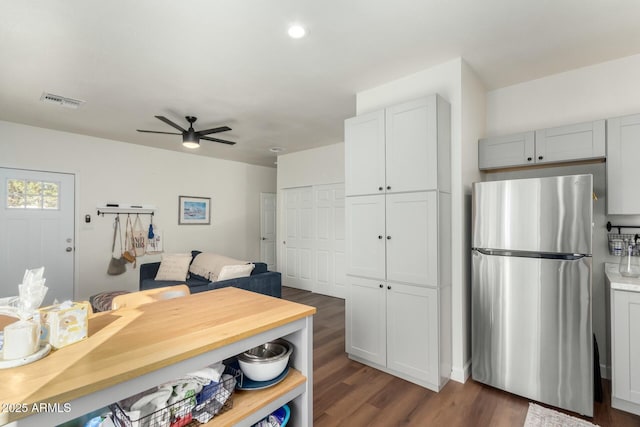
[529, 254]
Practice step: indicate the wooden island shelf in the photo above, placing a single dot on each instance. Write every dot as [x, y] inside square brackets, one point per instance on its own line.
[133, 349]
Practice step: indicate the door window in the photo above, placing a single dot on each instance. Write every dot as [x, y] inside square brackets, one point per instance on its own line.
[27, 194]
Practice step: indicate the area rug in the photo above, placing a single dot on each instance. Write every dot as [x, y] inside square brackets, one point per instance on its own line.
[539, 416]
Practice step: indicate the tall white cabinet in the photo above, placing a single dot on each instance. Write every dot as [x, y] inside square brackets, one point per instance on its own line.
[398, 232]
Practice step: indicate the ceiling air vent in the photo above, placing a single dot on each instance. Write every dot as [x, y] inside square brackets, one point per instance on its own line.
[60, 100]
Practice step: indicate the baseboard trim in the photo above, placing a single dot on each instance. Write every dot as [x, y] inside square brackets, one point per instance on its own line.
[461, 375]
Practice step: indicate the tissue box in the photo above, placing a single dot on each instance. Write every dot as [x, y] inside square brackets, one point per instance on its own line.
[64, 324]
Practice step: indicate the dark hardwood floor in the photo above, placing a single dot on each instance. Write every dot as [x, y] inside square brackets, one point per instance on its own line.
[348, 393]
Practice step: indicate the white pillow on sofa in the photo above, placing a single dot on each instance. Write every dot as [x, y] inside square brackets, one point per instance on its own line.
[234, 271]
[209, 265]
[174, 267]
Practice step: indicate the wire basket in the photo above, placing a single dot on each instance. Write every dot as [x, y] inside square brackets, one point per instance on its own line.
[212, 400]
[618, 244]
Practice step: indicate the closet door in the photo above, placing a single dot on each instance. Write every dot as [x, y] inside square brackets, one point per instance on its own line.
[412, 238]
[330, 240]
[299, 238]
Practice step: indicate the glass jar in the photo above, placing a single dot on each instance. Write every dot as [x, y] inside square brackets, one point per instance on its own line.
[629, 264]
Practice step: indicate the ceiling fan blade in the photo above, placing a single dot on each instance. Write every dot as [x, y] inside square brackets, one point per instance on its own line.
[213, 130]
[208, 138]
[170, 123]
[155, 131]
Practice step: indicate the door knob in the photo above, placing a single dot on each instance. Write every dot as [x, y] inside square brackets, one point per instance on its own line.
[540, 157]
[388, 187]
[69, 249]
[529, 159]
[284, 242]
[380, 285]
[264, 238]
[389, 287]
[388, 237]
[380, 189]
[379, 237]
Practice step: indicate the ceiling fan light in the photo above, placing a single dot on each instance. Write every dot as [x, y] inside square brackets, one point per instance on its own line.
[191, 144]
[190, 140]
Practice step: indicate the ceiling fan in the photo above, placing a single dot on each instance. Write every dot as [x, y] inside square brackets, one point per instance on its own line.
[190, 137]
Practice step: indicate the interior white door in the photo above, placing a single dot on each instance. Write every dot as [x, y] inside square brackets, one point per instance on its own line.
[37, 229]
[268, 230]
[330, 276]
[299, 238]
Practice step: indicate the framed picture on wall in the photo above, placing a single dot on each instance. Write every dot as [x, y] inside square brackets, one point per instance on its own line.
[194, 210]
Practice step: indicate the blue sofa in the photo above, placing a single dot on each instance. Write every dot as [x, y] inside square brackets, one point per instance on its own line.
[261, 280]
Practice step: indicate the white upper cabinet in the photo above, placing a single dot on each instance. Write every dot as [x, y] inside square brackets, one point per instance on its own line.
[412, 150]
[401, 148]
[582, 141]
[506, 151]
[623, 154]
[571, 143]
[365, 154]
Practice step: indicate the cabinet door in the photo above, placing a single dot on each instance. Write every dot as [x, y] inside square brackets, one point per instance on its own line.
[365, 229]
[412, 331]
[364, 142]
[623, 152]
[411, 146]
[506, 151]
[366, 319]
[626, 346]
[575, 142]
[412, 238]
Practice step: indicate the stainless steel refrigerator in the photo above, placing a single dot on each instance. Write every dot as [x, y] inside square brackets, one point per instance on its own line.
[531, 289]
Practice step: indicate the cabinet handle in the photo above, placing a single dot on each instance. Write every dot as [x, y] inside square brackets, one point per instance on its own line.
[380, 285]
[380, 188]
[388, 237]
[388, 187]
[389, 287]
[529, 159]
[379, 237]
[540, 157]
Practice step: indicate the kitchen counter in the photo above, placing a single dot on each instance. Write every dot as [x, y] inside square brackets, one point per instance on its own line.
[620, 282]
[133, 349]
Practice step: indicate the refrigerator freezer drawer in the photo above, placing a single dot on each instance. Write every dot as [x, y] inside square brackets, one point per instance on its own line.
[532, 332]
[552, 215]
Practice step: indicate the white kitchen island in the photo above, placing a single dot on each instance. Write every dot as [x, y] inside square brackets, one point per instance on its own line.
[133, 349]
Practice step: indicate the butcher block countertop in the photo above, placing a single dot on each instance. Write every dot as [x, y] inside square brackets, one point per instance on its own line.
[130, 342]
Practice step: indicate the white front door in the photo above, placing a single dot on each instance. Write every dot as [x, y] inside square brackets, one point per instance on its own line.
[37, 229]
[299, 238]
[268, 230]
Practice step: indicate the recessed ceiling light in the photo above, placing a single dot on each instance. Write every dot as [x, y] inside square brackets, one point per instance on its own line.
[296, 31]
[276, 149]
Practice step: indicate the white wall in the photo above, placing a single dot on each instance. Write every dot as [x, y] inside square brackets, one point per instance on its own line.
[599, 91]
[457, 83]
[323, 165]
[114, 171]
